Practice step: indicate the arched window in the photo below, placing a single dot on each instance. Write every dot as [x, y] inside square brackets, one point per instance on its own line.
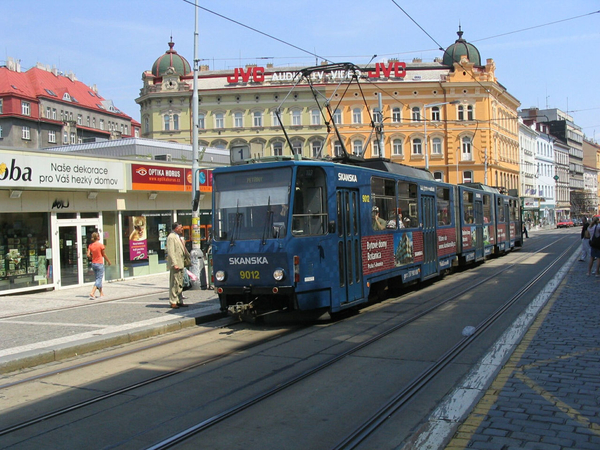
[436, 146]
[357, 147]
[396, 115]
[376, 152]
[467, 154]
[316, 147]
[201, 121]
[337, 117]
[219, 120]
[277, 149]
[167, 122]
[435, 114]
[238, 119]
[315, 117]
[257, 119]
[417, 146]
[397, 147]
[470, 112]
[337, 149]
[377, 117]
[296, 117]
[416, 114]
[146, 125]
[176, 121]
[357, 116]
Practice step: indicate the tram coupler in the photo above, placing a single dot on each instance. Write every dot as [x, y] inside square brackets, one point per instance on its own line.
[240, 308]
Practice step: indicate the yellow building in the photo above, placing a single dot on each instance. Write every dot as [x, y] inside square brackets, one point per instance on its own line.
[453, 107]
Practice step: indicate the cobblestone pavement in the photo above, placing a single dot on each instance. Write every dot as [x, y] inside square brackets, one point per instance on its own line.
[548, 394]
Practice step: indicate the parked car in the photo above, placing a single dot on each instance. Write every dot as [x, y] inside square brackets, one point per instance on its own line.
[565, 224]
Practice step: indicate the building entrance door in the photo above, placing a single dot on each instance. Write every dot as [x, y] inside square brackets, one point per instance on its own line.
[74, 267]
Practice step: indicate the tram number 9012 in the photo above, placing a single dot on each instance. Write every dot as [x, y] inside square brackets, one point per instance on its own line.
[250, 275]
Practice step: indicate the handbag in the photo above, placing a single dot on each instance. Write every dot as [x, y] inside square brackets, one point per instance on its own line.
[187, 260]
[595, 239]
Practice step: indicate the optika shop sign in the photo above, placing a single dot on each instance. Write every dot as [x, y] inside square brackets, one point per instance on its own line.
[47, 172]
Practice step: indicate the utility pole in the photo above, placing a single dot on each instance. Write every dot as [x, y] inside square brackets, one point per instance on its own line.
[196, 254]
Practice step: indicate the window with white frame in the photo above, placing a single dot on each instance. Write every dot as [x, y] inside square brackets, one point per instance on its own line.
[65, 138]
[53, 113]
[167, 122]
[417, 146]
[25, 108]
[146, 125]
[376, 152]
[275, 119]
[136, 132]
[315, 117]
[48, 112]
[397, 147]
[461, 112]
[316, 147]
[79, 140]
[257, 119]
[102, 124]
[297, 147]
[337, 117]
[396, 115]
[73, 137]
[93, 122]
[466, 147]
[296, 117]
[357, 147]
[357, 116]
[201, 124]
[238, 119]
[467, 176]
[438, 176]
[436, 146]
[377, 117]
[416, 114]
[337, 149]
[175, 121]
[219, 120]
[26, 133]
[435, 114]
[278, 149]
[79, 119]
[469, 112]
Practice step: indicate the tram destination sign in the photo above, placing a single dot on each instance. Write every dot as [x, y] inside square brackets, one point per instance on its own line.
[58, 172]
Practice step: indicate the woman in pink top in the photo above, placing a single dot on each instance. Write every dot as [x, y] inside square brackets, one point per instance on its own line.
[96, 253]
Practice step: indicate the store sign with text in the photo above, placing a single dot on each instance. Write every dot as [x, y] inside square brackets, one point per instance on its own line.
[162, 178]
[22, 170]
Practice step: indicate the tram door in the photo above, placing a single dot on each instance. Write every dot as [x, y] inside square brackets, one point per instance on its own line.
[479, 247]
[429, 236]
[348, 231]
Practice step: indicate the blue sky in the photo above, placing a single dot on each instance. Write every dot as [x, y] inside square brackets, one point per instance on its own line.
[110, 43]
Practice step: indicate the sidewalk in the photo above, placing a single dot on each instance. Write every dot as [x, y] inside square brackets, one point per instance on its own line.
[41, 327]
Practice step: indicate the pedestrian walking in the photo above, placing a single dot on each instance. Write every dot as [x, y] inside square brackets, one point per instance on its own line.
[176, 261]
[585, 240]
[594, 230]
[95, 252]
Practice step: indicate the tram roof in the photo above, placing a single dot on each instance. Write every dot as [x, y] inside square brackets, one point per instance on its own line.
[385, 165]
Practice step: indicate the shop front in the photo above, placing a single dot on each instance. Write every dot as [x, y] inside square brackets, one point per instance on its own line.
[53, 203]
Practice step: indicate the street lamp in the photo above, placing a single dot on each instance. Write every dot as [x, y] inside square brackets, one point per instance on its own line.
[431, 105]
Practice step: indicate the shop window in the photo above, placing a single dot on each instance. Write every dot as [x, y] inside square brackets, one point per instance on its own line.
[24, 250]
[144, 241]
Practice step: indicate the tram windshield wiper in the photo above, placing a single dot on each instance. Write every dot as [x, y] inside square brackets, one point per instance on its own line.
[236, 224]
[268, 222]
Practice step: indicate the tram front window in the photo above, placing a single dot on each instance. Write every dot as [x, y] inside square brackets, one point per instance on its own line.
[252, 205]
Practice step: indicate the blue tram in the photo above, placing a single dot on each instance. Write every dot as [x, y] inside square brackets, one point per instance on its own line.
[311, 235]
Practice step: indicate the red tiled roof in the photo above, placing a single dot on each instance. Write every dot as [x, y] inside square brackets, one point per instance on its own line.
[37, 82]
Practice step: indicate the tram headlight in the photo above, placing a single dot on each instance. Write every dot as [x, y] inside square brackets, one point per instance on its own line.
[220, 275]
[279, 274]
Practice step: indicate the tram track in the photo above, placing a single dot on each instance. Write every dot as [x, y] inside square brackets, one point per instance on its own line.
[398, 400]
[215, 419]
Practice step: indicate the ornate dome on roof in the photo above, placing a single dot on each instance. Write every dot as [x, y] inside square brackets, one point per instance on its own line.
[171, 59]
[460, 48]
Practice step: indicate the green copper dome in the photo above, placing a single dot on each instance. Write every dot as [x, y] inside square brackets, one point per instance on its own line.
[171, 59]
[460, 48]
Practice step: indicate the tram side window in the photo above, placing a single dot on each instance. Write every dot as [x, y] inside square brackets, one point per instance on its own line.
[408, 211]
[383, 198]
[468, 212]
[443, 206]
[500, 210]
[514, 210]
[309, 216]
[487, 209]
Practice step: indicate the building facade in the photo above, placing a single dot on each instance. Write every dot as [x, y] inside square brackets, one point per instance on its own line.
[43, 108]
[454, 108]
